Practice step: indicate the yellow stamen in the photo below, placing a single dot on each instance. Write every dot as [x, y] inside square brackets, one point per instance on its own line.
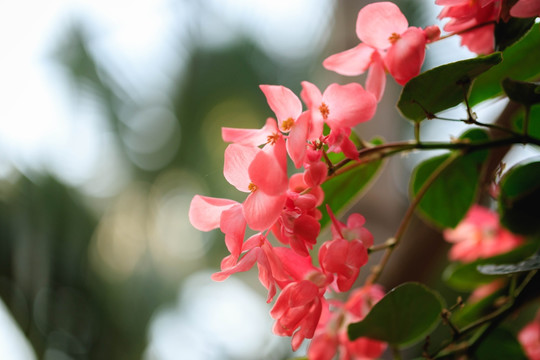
[325, 111]
[394, 37]
[272, 139]
[252, 187]
[286, 125]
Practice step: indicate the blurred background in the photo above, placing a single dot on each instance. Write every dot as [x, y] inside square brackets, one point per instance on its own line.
[110, 120]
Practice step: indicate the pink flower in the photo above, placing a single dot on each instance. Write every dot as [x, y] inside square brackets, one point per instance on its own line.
[263, 174]
[340, 106]
[288, 109]
[207, 213]
[346, 253]
[529, 337]
[258, 250]
[480, 235]
[331, 334]
[526, 9]
[466, 14]
[388, 43]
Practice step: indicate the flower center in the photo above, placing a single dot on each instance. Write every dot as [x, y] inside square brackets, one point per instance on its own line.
[324, 111]
[286, 125]
[272, 139]
[252, 187]
[393, 38]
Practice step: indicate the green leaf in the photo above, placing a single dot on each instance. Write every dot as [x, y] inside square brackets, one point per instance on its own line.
[404, 316]
[344, 189]
[453, 192]
[472, 311]
[519, 198]
[466, 277]
[500, 344]
[534, 121]
[532, 263]
[525, 93]
[443, 87]
[509, 32]
[520, 63]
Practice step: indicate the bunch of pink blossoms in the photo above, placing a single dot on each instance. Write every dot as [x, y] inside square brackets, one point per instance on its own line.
[283, 209]
[286, 206]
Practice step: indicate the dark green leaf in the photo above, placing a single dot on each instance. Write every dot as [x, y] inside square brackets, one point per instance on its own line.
[519, 198]
[532, 263]
[344, 189]
[500, 344]
[453, 192]
[508, 32]
[525, 93]
[534, 121]
[443, 87]
[466, 277]
[520, 63]
[404, 316]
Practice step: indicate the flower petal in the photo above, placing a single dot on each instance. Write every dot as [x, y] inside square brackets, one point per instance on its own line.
[350, 62]
[377, 22]
[283, 102]
[205, 212]
[238, 158]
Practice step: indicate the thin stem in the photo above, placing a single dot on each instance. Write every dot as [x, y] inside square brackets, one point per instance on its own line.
[376, 271]
[381, 151]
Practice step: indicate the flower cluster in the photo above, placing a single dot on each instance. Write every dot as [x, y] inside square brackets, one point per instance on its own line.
[282, 209]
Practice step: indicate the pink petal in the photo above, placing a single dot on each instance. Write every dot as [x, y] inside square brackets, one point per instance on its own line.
[405, 58]
[266, 171]
[526, 9]
[376, 79]
[311, 95]
[349, 105]
[233, 224]
[261, 210]
[244, 264]
[378, 21]
[250, 137]
[283, 102]
[350, 62]
[297, 140]
[238, 158]
[481, 41]
[205, 212]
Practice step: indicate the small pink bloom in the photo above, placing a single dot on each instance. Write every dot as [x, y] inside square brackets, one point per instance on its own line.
[340, 106]
[465, 15]
[480, 235]
[257, 250]
[262, 173]
[345, 256]
[331, 334]
[529, 337]
[387, 43]
[288, 109]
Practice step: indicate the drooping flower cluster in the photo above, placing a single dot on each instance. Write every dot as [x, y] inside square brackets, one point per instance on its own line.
[283, 210]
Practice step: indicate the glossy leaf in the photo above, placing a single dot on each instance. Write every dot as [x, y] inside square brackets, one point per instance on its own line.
[526, 93]
[500, 344]
[443, 87]
[520, 63]
[404, 316]
[342, 190]
[519, 198]
[511, 31]
[466, 277]
[534, 121]
[532, 263]
[451, 195]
